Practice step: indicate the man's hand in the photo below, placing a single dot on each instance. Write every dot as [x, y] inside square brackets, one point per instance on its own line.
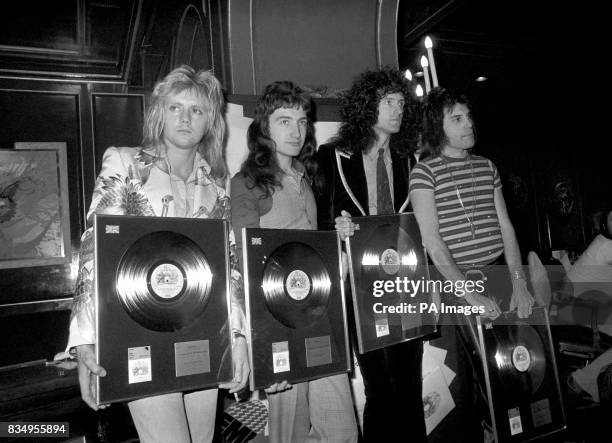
[345, 265]
[521, 299]
[88, 371]
[491, 310]
[240, 355]
[344, 225]
[278, 387]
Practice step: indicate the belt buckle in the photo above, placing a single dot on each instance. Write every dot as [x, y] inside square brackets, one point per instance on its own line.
[476, 272]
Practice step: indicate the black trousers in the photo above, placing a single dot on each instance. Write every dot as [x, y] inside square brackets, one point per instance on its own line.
[394, 393]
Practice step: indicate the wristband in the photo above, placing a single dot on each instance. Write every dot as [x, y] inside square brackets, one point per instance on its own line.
[518, 275]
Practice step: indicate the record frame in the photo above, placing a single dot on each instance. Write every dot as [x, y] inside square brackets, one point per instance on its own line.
[143, 358]
[517, 415]
[373, 329]
[289, 348]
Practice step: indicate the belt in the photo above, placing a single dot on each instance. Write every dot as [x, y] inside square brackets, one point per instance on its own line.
[464, 268]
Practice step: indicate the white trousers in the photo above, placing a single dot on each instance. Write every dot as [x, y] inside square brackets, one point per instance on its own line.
[177, 418]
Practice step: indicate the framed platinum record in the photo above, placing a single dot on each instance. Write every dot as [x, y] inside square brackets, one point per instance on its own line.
[162, 305]
[389, 276]
[295, 305]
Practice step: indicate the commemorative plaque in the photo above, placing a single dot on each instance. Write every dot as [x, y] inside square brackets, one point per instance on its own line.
[295, 305]
[389, 277]
[162, 308]
[521, 377]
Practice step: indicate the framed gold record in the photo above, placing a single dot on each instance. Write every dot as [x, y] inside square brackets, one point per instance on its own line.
[388, 274]
[162, 305]
[521, 377]
[294, 305]
[164, 281]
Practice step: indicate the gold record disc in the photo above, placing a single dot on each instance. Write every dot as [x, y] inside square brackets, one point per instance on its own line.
[296, 285]
[163, 281]
[520, 358]
[390, 252]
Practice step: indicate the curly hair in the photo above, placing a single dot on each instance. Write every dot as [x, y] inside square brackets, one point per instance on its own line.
[359, 112]
[438, 101]
[203, 84]
[261, 166]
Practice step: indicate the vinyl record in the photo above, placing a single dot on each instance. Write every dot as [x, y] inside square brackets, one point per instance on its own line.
[390, 252]
[296, 285]
[520, 359]
[163, 281]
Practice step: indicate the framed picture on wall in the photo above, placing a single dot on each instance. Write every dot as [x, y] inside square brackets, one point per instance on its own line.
[34, 210]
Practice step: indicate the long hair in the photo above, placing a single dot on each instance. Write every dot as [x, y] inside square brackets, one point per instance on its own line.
[359, 112]
[261, 166]
[204, 84]
[438, 101]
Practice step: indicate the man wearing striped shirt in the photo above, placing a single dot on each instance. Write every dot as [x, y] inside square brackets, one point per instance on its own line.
[458, 202]
[460, 209]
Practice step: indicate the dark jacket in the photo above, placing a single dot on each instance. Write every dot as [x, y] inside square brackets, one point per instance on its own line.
[345, 186]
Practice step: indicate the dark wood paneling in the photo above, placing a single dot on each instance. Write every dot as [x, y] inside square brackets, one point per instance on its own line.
[218, 10]
[79, 38]
[242, 70]
[193, 44]
[33, 337]
[39, 116]
[117, 121]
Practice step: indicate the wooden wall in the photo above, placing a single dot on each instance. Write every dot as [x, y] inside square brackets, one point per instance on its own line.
[64, 71]
[80, 71]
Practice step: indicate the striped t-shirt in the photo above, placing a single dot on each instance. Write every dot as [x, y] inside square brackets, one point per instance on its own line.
[437, 174]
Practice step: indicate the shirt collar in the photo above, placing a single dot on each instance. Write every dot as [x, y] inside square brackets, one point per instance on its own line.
[153, 155]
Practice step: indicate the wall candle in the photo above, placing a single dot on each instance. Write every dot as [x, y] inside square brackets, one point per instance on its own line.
[434, 74]
[425, 66]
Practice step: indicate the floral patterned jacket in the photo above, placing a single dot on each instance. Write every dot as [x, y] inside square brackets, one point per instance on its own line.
[135, 181]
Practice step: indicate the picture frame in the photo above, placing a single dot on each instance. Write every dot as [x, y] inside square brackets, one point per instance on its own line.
[34, 207]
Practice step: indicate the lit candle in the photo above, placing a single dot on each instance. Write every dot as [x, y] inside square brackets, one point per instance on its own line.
[425, 66]
[434, 74]
[408, 75]
[419, 91]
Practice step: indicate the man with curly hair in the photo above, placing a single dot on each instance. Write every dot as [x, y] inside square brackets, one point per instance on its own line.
[364, 171]
[459, 206]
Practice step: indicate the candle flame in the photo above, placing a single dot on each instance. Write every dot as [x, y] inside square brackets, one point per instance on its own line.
[419, 91]
[424, 61]
[428, 42]
[408, 74]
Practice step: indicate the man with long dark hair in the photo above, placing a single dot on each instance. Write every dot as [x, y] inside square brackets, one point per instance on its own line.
[458, 202]
[462, 216]
[364, 171]
[272, 190]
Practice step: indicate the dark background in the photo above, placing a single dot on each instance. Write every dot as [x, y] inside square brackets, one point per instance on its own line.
[532, 114]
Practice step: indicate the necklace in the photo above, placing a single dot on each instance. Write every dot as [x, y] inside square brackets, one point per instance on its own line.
[465, 212]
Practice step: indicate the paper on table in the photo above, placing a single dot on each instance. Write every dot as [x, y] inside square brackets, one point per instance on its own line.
[437, 400]
[437, 353]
